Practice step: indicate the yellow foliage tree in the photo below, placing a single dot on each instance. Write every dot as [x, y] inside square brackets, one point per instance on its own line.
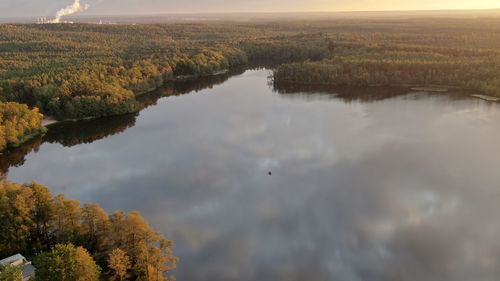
[119, 263]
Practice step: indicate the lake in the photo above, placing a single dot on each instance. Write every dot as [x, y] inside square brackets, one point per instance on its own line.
[253, 183]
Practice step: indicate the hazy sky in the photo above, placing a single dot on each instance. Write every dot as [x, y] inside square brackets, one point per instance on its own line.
[16, 8]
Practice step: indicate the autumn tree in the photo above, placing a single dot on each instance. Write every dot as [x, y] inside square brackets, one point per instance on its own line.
[94, 228]
[67, 217]
[3, 140]
[42, 212]
[66, 262]
[17, 122]
[15, 217]
[119, 263]
[33, 221]
[150, 254]
[11, 273]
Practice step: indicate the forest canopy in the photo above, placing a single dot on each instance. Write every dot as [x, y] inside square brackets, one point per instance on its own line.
[87, 70]
[78, 71]
[17, 123]
[75, 71]
[39, 225]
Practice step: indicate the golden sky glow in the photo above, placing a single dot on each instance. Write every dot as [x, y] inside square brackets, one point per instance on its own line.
[377, 5]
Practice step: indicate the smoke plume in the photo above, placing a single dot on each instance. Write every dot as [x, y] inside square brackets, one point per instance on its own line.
[69, 10]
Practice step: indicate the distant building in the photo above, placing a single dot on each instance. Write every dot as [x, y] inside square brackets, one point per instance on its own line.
[19, 260]
[42, 21]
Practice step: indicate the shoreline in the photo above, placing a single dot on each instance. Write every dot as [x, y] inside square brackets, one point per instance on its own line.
[446, 89]
[50, 120]
[30, 136]
[486, 98]
[26, 138]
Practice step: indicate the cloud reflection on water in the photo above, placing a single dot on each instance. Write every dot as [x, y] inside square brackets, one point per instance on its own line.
[405, 188]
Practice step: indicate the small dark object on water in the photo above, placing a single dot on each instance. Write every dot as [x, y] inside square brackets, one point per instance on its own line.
[270, 173]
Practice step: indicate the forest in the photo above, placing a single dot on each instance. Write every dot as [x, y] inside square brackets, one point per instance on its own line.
[73, 71]
[88, 71]
[448, 53]
[80, 71]
[76, 71]
[47, 228]
[479, 76]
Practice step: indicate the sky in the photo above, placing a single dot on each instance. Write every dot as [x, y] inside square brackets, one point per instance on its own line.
[29, 8]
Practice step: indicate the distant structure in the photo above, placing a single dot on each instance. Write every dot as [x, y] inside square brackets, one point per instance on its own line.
[106, 22]
[19, 260]
[42, 21]
[48, 21]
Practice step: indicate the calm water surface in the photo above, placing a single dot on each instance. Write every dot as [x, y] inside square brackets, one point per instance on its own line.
[401, 188]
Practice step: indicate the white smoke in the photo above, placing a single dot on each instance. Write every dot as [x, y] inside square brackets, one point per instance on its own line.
[69, 10]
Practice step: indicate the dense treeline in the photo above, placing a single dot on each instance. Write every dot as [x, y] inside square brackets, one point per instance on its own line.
[77, 71]
[34, 222]
[84, 70]
[479, 76]
[282, 49]
[455, 53]
[95, 90]
[18, 123]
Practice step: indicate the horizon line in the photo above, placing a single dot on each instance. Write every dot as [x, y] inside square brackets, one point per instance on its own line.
[265, 12]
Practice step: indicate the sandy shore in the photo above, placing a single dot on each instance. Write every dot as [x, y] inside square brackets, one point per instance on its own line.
[48, 121]
[486, 98]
